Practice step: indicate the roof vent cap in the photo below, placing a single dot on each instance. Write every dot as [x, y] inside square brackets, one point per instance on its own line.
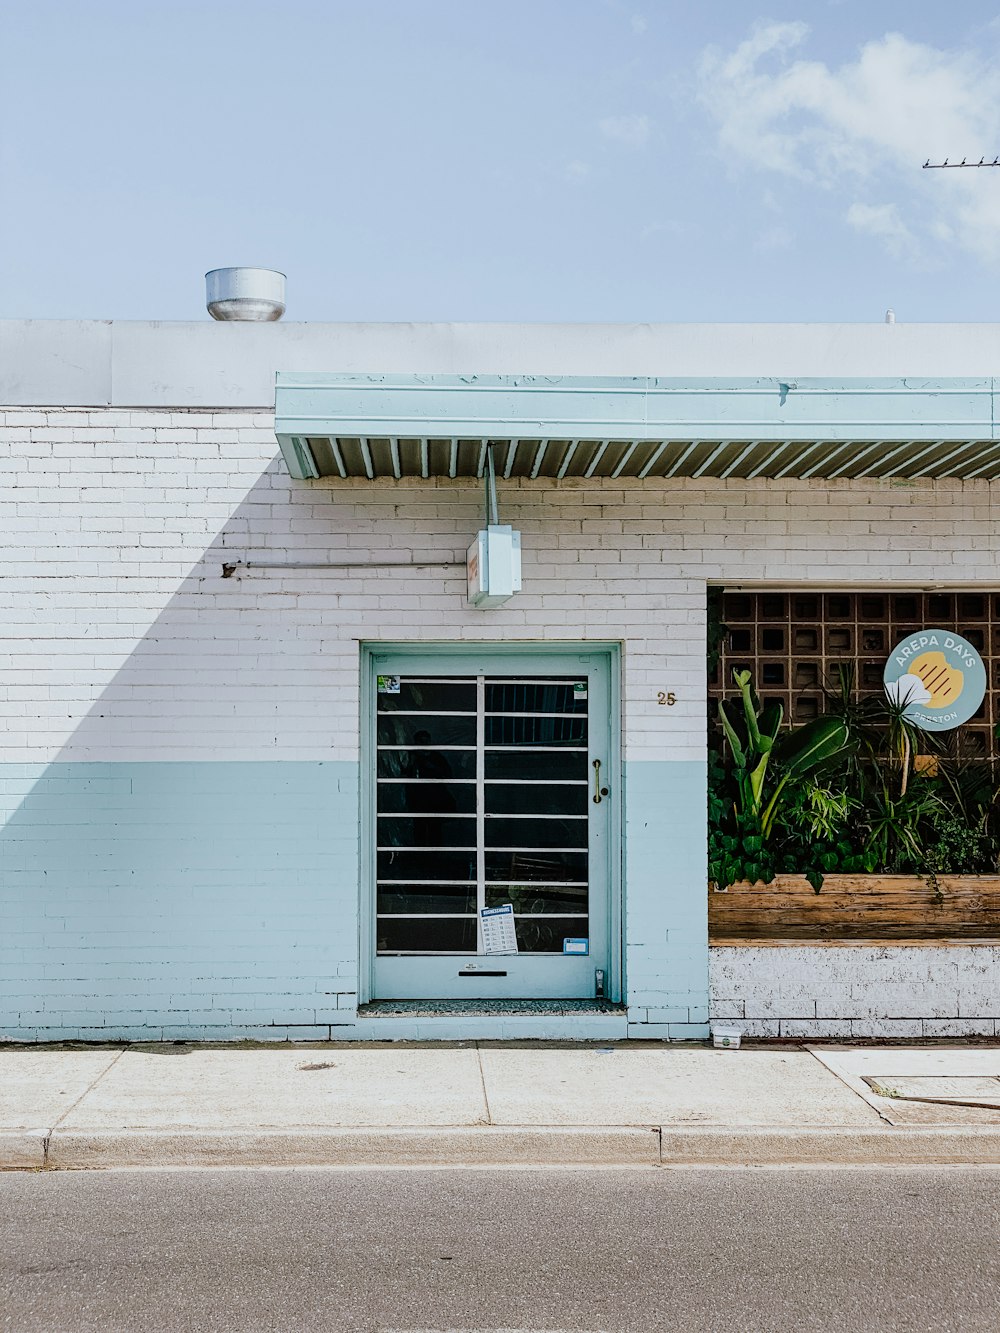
[256, 294]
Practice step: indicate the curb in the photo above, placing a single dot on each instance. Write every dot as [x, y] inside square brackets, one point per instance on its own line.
[473, 1146]
[835, 1145]
[498, 1146]
[22, 1149]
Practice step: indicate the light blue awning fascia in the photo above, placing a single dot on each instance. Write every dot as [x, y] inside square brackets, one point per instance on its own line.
[439, 425]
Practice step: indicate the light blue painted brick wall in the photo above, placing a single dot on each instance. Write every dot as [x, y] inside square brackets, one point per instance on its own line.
[177, 899]
[666, 919]
[220, 900]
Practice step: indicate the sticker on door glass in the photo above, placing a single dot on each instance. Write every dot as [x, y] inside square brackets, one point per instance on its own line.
[576, 946]
[387, 684]
[499, 935]
[580, 689]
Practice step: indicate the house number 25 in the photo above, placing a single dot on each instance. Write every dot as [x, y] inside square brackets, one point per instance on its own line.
[668, 699]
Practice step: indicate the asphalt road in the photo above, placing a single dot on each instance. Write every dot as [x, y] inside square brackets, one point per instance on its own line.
[718, 1251]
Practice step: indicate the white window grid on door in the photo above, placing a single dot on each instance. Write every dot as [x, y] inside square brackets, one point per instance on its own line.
[481, 816]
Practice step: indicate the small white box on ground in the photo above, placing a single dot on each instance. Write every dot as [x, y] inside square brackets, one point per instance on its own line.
[724, 1036]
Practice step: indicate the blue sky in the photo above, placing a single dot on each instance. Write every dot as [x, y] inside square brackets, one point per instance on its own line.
[501, 159]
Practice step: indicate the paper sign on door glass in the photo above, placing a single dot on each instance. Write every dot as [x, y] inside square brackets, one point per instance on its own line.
[499, 935]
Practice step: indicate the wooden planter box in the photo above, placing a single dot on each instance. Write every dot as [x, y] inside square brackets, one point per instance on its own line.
[857, 907]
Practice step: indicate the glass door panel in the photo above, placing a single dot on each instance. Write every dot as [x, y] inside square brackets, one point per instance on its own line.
[483, 797]
[427, 828]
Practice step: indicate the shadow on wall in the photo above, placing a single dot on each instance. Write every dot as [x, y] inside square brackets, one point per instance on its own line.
[188, 862]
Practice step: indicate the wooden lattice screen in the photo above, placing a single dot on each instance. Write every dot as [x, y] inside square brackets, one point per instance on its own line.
[793, 642]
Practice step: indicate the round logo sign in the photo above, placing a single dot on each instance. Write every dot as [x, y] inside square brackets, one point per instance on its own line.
[938, 676]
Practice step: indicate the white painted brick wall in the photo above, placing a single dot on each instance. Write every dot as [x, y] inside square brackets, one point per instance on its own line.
[892, 990]
[126, 642]
[123, 640]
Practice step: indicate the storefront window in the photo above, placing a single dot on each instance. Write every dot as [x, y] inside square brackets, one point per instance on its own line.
[796, 643]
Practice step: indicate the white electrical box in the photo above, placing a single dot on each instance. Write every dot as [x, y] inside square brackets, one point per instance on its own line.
[493, 563]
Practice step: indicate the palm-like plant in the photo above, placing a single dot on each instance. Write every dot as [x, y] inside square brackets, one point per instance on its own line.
[894, 834]
[881, 731]
[903, 736]
[755, 738]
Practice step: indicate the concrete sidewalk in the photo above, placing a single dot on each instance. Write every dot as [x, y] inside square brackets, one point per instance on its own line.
[482, 1103]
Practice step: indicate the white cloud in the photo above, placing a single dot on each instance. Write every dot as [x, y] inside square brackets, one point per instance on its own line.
[576, 170]
[866, 127]
[639, 24]
[632, 131]
[883, 221]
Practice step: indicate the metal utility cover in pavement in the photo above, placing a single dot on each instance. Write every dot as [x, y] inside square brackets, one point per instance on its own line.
[969, 1090]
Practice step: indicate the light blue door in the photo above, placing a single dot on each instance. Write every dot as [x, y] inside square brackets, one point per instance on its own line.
[494, 784]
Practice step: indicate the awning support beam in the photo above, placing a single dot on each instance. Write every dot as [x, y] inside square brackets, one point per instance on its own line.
[491, 510]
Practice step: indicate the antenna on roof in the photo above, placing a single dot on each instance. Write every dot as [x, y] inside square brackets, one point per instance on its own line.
[938, 166]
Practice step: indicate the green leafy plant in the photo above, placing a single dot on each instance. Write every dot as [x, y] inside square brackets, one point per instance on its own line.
[968, 783]
[892, 827]
[754, 738]
[800, 750]
[955, 847]
[740, 830]
[903, 737]
[750, 732]
[814, 832]
[818, 811]
[859, 789]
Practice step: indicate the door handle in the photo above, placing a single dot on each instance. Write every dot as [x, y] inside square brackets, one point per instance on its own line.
[599, 791]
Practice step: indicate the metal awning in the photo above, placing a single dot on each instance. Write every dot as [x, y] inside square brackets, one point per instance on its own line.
[397, 426]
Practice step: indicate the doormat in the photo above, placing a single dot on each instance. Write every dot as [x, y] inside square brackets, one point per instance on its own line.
[477, 1008]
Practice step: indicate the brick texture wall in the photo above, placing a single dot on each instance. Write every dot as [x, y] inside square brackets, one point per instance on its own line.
[126, 642]
[117, 526]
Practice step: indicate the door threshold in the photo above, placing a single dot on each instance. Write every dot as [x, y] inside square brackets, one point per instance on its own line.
[485, 1008]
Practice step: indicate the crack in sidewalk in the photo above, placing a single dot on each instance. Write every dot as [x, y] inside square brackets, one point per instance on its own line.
[47, 1140]
[482, 1084]
[860, 1095]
